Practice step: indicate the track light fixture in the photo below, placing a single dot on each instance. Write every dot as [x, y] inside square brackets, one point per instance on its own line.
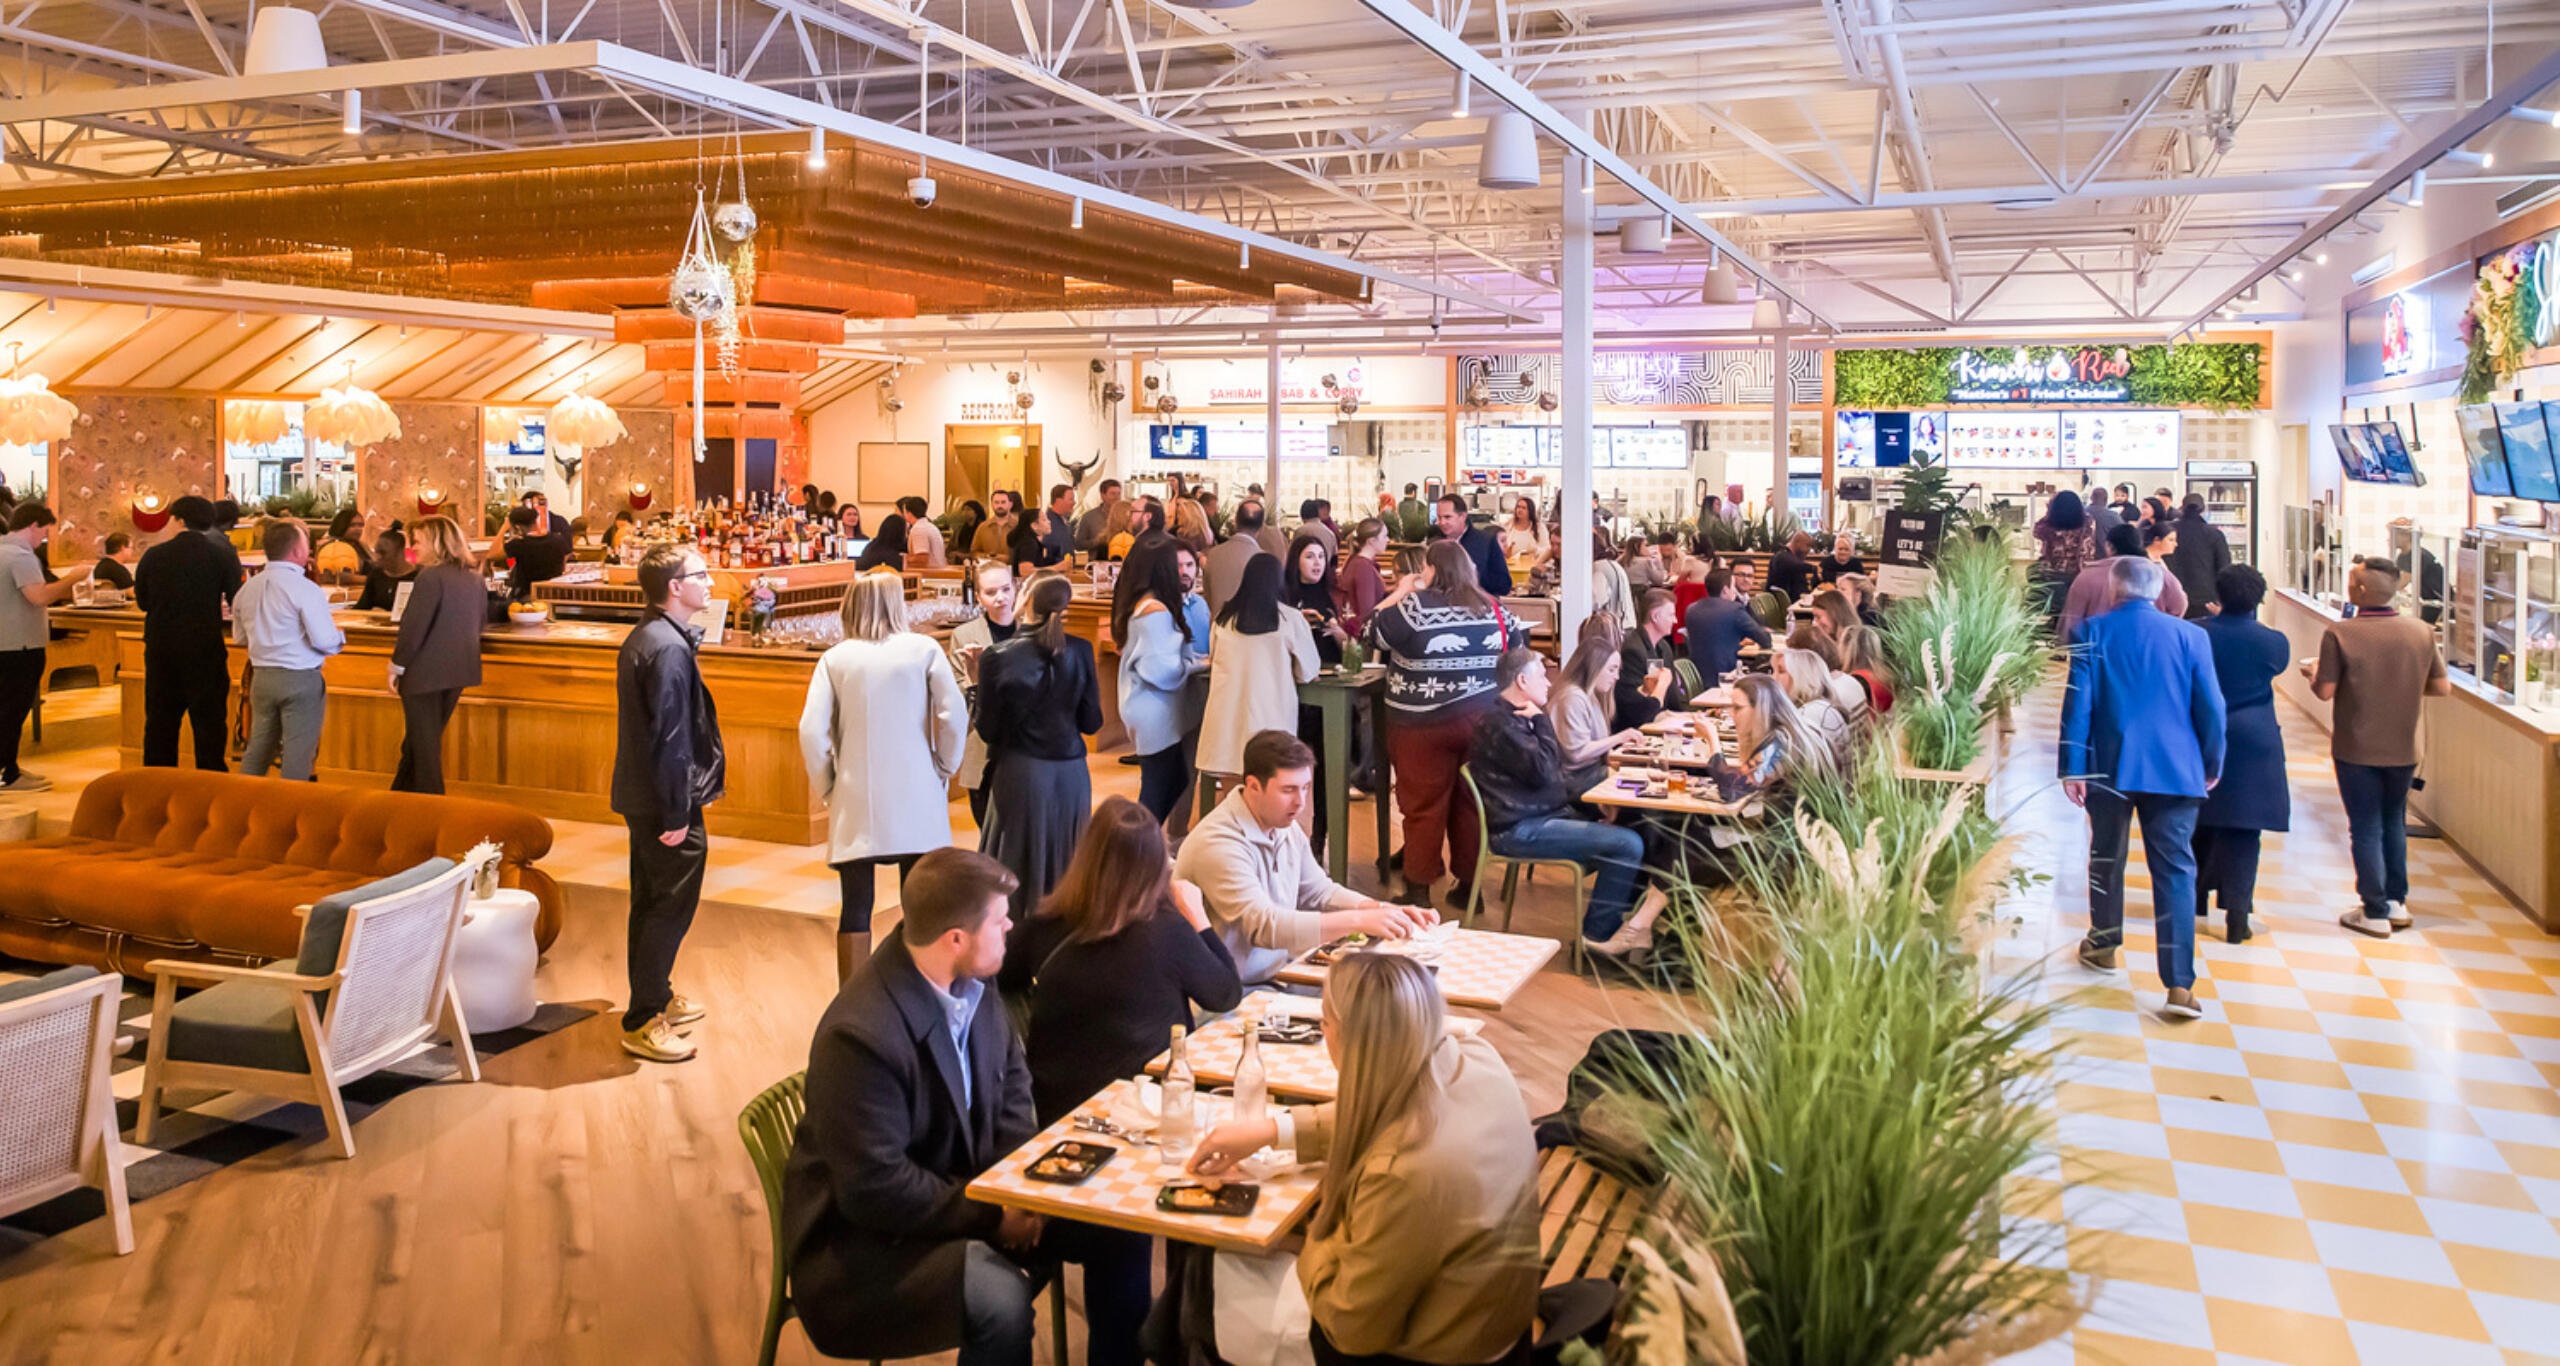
[1458, 97]
[2483, 160]
[1075, 215]
[351, 113]
[817, 148]
[2525, 113]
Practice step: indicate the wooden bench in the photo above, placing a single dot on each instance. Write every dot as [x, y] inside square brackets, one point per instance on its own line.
[1585, 1217]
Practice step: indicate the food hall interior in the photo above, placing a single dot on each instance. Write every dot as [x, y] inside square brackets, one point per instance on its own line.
[723, 360]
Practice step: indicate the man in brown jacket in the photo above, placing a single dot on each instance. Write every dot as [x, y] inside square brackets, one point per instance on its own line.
[2375, 669]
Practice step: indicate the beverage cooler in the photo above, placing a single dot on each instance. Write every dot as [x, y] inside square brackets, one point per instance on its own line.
[2230, 489]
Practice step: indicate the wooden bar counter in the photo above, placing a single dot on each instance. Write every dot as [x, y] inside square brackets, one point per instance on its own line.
[539, 730]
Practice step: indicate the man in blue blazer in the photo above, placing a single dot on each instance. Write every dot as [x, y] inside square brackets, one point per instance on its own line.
[2142, 734]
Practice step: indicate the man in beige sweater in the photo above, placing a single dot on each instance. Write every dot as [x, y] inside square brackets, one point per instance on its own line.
[1267, 895]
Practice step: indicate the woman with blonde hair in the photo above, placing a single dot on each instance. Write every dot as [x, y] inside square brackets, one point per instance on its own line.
[883, 730]
[1862, 659]
[1424, 1242]
[1776, 745]
[437, 654]
[1808, 683]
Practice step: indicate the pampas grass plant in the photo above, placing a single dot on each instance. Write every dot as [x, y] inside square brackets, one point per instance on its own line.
[1854, 1100]
[1972, 644]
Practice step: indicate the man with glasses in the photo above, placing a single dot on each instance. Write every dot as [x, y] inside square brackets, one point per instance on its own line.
[667, 766]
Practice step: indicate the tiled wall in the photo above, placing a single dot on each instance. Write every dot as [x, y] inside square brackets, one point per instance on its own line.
[439, 445]
[121, 448]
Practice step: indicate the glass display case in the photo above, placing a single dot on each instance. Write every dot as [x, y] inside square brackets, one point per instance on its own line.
[2429, 578]
[2504, 626]
[2314, 556]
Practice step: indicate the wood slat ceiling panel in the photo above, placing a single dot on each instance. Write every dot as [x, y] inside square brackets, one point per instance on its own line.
[325, 349]
[119, 365]
[266, 341]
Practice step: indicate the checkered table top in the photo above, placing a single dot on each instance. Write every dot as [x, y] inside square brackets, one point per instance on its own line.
[1295, 1071]
[1123, 1193]
[1476, 967]
[1674, 751]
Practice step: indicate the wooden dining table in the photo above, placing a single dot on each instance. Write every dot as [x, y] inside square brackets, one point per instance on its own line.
[1122, 1194]
[1625, 788]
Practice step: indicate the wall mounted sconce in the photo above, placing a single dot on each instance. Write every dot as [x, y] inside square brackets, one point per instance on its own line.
[150, 513]
[432, 500]
[641, 497]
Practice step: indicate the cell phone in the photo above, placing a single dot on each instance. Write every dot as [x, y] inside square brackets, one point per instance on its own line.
[1235, 1198]
[1069, 1163]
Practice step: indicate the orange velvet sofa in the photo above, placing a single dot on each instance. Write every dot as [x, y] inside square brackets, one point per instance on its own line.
[183, 863]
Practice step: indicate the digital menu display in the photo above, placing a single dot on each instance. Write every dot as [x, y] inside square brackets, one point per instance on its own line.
[1646, 448]
[2525, 429]
[1893, 440]
[2485, 451]
[1928, 438]
[2010, 441]
[1853, 440]
[2120, 440]
[2357, 453]
[1178, 441]
[2396, 464]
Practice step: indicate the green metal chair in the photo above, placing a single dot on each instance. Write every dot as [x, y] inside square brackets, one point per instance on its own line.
[767, 1126]
[1513, 868]
[1685, 669]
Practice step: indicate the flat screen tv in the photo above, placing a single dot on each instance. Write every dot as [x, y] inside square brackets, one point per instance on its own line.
[2524, 429]
[1893, 440]
[2485, 451]
[2357, 454]
[2395, 454]
[1178, 441]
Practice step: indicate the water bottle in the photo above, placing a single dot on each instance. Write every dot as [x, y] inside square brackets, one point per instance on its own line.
[1176, 1124]
[1253, 1094]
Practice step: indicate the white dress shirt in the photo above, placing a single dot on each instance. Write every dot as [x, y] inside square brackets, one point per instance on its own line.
[283, 617]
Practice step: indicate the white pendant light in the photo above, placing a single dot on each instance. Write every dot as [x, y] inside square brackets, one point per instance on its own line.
[350, 415]
[283, 40]
[1768, 313]
[582, 423]
[1721, 287]
[30, 412]
[500, 426]
[1642, 237]
[255, 421]
[1508, 160]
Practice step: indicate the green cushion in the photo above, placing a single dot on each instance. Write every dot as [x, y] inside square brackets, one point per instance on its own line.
[326, 926]
[238, 1024]
[38, 986]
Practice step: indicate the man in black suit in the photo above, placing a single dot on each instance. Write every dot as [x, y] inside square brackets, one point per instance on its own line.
[916, 1085]
[667, 766]
[2203, 553]
[1493, 572]
[181, 585]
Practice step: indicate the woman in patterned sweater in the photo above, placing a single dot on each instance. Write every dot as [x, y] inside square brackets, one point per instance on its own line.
[1442, 636]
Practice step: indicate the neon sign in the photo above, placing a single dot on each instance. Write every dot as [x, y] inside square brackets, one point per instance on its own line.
[2089, 374]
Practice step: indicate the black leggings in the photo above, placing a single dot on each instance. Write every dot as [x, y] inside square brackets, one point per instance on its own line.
[855, 882]
[1164, 780]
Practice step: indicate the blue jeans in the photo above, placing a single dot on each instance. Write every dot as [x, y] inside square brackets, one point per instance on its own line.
[997, 1296]
[2377, 800]
[1614, 852]
[2168, 848]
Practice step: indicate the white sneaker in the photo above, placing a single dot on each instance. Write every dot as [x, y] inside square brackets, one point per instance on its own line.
[2400, 917]
[656, 1041]
[2369, 926]
[27, 782]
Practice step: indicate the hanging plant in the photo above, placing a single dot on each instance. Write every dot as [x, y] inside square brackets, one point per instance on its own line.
[2497, 325]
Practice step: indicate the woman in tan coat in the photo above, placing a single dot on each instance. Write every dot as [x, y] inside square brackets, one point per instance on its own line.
[1424, 1244]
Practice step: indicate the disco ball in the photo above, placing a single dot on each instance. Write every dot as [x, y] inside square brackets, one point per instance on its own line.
[735, 221]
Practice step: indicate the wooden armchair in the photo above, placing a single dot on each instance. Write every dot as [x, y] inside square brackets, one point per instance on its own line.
[373, 981]
[58, 1126]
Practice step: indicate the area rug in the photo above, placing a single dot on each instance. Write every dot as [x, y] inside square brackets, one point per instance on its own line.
[200, 1133]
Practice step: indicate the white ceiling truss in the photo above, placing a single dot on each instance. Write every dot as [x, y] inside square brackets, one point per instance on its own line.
[1891, 165]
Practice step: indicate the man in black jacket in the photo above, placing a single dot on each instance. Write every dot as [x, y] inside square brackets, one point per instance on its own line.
[180, 586]
[916, 1085]
[2203, 553]
[1482, 544]
[1647, 685]
[1519, 771]
[667, 766]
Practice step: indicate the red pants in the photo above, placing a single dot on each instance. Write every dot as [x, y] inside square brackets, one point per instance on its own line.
[1426, 759]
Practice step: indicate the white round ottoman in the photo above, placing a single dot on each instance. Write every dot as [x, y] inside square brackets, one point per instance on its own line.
[17, 823]
[493, 960]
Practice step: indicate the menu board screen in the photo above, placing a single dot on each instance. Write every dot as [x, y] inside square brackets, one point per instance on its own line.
[1644, 448]
[2009, 441]
[2357, 455]
[2396, 464]
[2528, 436]
[1853, 440]
[1502, 447]
[1177, 441]
[2485, 450]
[2120, 440]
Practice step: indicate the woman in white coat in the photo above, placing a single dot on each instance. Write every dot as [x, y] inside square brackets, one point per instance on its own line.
[882, 734]
[1259, 652]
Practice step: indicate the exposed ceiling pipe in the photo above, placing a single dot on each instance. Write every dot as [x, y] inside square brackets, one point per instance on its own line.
[1916, 152]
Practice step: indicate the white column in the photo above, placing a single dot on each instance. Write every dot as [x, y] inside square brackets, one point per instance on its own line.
[1271, 419]
[1778, 395]
[1573, 549]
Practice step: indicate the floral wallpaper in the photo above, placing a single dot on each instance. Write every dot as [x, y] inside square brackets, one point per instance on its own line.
[120, 448]
[646, 453]
[438, 446]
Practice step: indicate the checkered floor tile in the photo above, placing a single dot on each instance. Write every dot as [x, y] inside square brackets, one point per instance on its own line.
[2355, 1156]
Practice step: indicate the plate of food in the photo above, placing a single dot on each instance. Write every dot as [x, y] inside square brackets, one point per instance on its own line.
[1069, 1163]
[1232, 1199]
